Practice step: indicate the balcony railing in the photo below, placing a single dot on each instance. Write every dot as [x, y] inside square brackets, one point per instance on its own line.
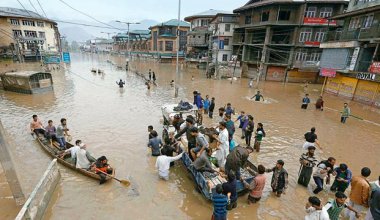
[356, 34]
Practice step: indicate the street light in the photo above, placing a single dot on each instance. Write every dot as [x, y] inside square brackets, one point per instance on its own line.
[128, 23]
[108, 34]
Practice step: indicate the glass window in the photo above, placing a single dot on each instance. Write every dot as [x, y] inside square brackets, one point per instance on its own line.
[325, 12]
[30, 34]
[160, 45]
[28, 23]
[41, 34]
[283, 15]
[320, 35]
[315, 57]
[225, 57]
[367, 22]
[40, 24]
[17, 33]
[305, 35]
[227, 27]
[264, 16]
[15, 21]
[226, 42]
[311, 12]
[248, 19]
[301, 56]
[168, 45]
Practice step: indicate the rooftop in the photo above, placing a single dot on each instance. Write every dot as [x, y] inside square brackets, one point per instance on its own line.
[207, 14]
[172, 22]
[21, 13]
[20, 74]
[258, 3]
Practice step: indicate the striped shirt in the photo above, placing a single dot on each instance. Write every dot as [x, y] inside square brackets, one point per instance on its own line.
[311, 161]
[220, 202]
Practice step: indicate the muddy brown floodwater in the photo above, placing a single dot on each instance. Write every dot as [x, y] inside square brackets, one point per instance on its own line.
[113, 122]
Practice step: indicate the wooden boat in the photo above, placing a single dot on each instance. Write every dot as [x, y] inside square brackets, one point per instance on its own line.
[201, 179]
[53, 151]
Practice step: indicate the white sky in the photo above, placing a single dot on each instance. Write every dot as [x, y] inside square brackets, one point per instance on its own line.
[127, 10]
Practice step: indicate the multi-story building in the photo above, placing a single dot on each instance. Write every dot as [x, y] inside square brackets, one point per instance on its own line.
[140, 42]
[28, 34]
[222, 27]
[352, 55]
[199, 41]
[279, 40]
[164, 40]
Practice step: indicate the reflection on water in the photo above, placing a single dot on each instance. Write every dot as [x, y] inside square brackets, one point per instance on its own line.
[113, 122]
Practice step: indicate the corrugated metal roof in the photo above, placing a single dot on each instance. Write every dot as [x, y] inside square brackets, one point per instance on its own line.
[258, 3]
[21, 13]
[207, 14]
[21, 74]
[172, 22]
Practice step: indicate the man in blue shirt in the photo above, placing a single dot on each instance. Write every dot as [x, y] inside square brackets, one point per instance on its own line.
[206, 104]
[220, 202]
[155, 144]
[199, 104]
[305, 101]
[229, 189]
[229, 110]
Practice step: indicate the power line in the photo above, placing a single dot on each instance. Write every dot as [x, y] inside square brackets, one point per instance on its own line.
[34, 8]
[87, 15]
[42, 8]
[24, 8]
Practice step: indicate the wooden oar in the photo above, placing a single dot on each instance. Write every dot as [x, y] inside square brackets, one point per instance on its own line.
[126, 183]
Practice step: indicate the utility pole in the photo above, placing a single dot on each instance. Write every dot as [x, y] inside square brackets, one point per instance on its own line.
[129, 36]
[178, 35]
[217, 32]
[263, 56]
[208, 52]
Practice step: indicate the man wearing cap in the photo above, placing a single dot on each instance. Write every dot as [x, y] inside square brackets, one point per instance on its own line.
[84, 159]
[307, 161]
[279, 180]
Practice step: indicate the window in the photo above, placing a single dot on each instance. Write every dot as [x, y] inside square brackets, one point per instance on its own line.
[301, 56]
[15, 21]
[28, 23]
[325, 12]
[283, 15]
[225, 57]
[160, 45]
[30, 34]
[311, 12]
[305, 35]
[227, 27]
[315, 57]
[264, 16]
[41, 34]
[354, 23]
[40, 24]
[168, 45]
[226, 42]
[320, 35]
[367, 21]
[17, 33]
[204, 22]
[248, 19]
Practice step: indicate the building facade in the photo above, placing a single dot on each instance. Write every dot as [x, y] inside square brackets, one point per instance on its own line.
[222, 27]
[27, 35]
[163, 44]
[199, 37]
[353, 55]
[278, 40]
[140, 42]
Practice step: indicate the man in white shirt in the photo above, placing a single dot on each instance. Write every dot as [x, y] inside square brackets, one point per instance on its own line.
[223, 144]
[73, 152]
[84, 159]
[315, 211]
[163, 164]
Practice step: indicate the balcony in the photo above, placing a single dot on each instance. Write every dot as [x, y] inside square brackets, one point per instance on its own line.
[195, 42]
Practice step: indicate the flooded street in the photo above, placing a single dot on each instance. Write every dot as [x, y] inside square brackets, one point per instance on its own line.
[113, 122]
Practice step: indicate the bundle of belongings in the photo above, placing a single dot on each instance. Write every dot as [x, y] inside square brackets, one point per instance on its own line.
[183, 106]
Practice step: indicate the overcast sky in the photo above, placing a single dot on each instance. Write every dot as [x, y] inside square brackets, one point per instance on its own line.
[127, 10]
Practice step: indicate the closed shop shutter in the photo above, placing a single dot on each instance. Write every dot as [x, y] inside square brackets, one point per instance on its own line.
[347, 87]
[334, 58]
[333, 84]
[365, 91]
[275, 73]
